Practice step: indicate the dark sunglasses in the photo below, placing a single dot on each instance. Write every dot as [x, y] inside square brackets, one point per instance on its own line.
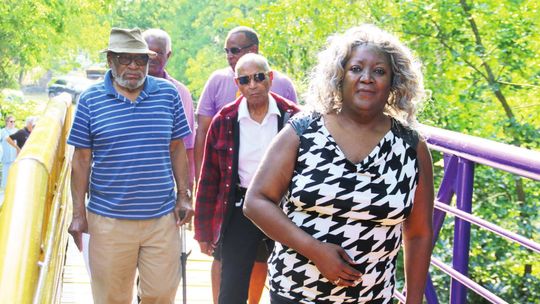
[259, 77]
[236, 50]
[140, 60]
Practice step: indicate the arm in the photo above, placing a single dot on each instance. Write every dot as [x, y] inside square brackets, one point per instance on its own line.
[189, 141]
[191, 168]
[180, 173]
[80, 173]
[261, 206]
[203, 123]
[418, 230]
[207, 193]
[13, 144]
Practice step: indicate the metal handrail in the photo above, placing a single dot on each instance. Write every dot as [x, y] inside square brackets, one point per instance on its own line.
[516, 160]
[33, 218]
[509, 235]
[461, 153]
[467, 282]
[53, 258]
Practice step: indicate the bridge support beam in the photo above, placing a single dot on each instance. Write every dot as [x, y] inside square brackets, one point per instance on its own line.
[462, 229]
[444, 195]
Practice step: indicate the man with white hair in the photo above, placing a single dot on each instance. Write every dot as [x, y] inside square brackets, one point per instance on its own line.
[19, 138]
[159, 41]
[129, 155]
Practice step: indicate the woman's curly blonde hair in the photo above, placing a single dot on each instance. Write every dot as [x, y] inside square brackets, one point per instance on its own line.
[407, 89]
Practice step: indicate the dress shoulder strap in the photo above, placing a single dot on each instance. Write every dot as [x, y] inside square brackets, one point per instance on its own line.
[409, 135]
[301, 122]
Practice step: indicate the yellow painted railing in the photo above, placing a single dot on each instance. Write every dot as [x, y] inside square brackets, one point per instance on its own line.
[34, 215]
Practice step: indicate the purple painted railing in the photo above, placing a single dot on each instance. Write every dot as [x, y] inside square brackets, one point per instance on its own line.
[461, 153]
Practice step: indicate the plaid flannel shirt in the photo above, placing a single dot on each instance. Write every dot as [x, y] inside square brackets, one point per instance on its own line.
[218, 176]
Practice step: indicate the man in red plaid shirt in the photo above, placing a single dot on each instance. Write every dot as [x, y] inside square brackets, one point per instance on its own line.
[237, 139]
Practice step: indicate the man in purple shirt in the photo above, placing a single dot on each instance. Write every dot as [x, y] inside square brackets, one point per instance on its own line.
[220, 89]
[159, 41]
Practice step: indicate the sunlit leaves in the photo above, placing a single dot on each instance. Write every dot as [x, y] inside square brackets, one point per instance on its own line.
[46, 34]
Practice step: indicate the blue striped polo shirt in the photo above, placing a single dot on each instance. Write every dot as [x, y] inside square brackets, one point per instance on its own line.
[131, 175]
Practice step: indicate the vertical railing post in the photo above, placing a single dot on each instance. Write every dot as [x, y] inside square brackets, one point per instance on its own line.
[462, 229]
[430, 293]
[444, 195]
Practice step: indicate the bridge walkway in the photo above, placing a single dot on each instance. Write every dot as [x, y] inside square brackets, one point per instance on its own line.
[76, 282]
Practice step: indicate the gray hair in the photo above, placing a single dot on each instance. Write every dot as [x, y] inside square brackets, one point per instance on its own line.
[160, 35]
[31, 120]
[407, 89]
[257, 59]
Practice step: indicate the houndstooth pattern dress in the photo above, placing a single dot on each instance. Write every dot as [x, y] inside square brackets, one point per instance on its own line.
[360, 207]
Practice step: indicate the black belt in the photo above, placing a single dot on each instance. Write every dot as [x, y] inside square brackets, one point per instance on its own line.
[240, 191]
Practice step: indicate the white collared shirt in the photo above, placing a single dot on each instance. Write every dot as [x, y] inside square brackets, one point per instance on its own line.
[254, 138]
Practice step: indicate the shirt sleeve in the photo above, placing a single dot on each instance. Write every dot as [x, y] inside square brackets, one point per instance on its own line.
[208, 188]
[180, 124]
[207, 103]
[283, 86]
[291, 92]
[187, 102]
[15, 135]
[301, 121]
[80, 130]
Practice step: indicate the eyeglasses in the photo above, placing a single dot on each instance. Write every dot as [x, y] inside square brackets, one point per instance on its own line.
[236, 50]
[140, 60]
[11, 121]
[259, 77]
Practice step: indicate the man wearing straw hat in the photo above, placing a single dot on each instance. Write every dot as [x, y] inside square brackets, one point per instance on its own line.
[129, 155]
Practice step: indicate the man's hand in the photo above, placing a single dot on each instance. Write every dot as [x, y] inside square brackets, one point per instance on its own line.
[207, 248]
[79, 224]
[183, 211]
[80, 174]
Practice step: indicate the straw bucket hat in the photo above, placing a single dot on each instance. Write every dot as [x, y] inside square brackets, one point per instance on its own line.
[128, 41]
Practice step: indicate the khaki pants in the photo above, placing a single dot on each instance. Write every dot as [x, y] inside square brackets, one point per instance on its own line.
[118, 247]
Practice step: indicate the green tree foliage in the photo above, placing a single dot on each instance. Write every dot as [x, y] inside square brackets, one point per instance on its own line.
[139, 13]
[21, 110]
[293, 40]
[47, 34]
[489, 67]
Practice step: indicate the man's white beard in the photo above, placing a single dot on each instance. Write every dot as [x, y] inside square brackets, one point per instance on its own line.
[125, 83]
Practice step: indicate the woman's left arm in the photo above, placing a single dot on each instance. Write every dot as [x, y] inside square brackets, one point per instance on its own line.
[418, 229]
